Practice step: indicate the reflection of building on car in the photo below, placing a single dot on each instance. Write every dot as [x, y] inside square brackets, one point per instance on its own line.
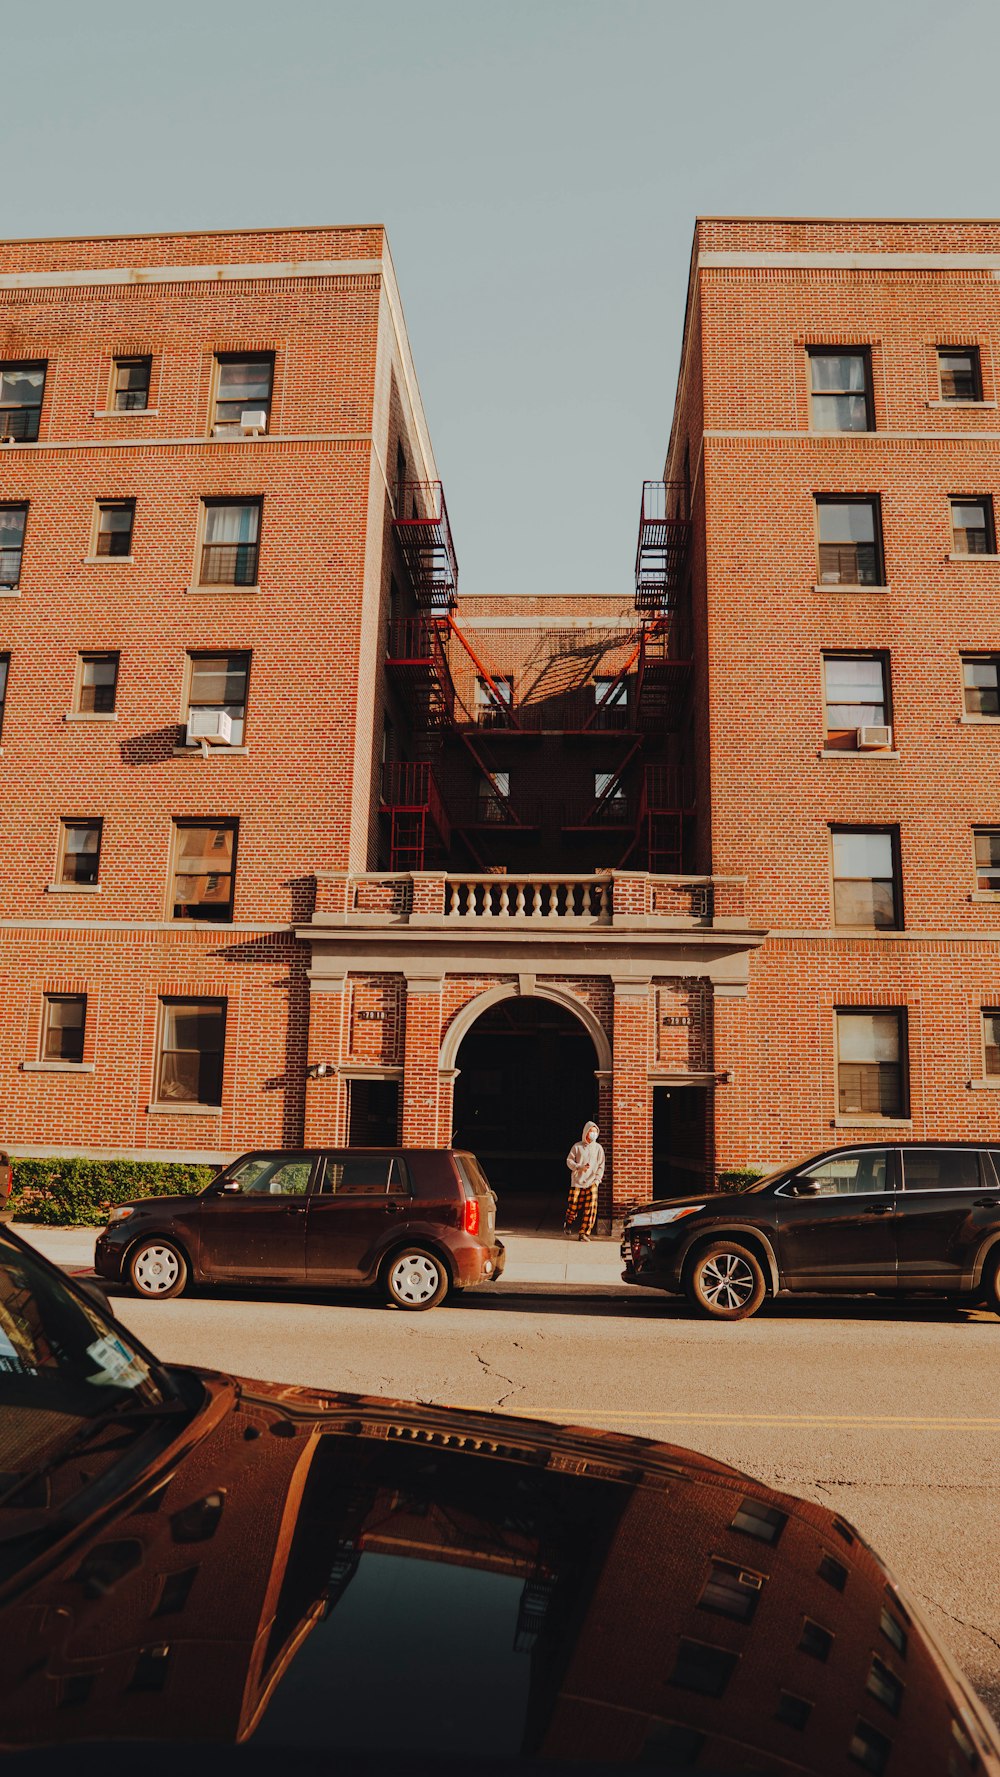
[194, 1560]
[413, 1222]
[914, 1217]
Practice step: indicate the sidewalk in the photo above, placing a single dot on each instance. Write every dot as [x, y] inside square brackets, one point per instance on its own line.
[535, 1257]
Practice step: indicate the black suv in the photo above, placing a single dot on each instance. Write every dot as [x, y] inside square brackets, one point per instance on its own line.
[920, 1217]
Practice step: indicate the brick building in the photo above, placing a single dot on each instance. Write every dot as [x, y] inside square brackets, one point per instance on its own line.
[261, 785]
[836, 425]
[301, 848]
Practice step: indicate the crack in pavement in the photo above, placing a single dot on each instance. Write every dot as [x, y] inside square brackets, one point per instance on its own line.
[500, 1377]
[962, 1622]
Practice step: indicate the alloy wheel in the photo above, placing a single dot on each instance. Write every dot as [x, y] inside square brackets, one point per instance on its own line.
[727, 1281]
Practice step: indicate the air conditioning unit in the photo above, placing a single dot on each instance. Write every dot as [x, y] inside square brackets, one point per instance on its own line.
[253, 421]
[876, 738]
[213, 728]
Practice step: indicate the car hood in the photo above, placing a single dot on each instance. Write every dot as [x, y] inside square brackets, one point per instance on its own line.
[721, 1200]
[186, 1201]
[363, 1581]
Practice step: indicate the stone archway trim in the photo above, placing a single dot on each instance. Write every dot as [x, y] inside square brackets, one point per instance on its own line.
[463, 1021]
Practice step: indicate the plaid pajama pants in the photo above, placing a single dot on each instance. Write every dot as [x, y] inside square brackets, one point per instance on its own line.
[582, 1203]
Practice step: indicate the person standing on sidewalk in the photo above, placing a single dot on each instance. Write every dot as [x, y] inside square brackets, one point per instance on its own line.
[586, 1170]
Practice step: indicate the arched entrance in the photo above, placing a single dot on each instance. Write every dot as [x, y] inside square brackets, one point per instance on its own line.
[526, 1084]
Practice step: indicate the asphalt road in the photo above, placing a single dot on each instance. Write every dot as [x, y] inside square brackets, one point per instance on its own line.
[890, 1415]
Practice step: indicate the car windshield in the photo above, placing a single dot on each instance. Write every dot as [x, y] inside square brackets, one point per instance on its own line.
[782, 1171]
[65, 1372]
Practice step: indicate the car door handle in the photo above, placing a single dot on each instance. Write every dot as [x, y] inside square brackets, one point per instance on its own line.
[879, 1209]
[391, 1208]
[295, 1209]
[986, 1202]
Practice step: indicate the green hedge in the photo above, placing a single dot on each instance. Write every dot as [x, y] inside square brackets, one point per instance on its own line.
[74, 1192]
[739, 1179]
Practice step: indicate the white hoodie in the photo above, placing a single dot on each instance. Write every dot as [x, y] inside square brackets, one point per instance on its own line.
[586, 1159]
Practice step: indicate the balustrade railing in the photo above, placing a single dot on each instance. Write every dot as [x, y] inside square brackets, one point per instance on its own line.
[609, 898]
[529, 897]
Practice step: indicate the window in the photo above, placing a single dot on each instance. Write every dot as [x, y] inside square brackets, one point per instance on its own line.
[230, 544]
[884, 1685]
[855, 691]
[670, 1746]
[893, 1631]
[363, 1175]
[731, 1591]
[489, 712]
[219, 682]
[192, 1041]
[940, 1169]
[981, 682]
[793, 1711]
[113, 532]
[755, 1519]
[97, 684]
[865, 877]
[703, 1669]
[130, 384]
[814, 1640]
[609, 793]
[987, 849]
[833, 1572]
[4, 670]
[611, 702]
[848, 1175]
[871, 1075]
[21, 390]
[959, 374]
[869, 1748]
[850, 538]
[991, 1022]
[494, 792]
[79, 851]
[273, 1175]
[12, 521]
[972, 530]
[243, 386]
[203, 867]
[841, 391]
[64, 1018]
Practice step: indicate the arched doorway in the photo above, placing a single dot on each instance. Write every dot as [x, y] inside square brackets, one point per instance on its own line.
[526, 1084]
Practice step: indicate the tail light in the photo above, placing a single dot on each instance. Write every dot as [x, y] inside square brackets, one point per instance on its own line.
[471, 1219]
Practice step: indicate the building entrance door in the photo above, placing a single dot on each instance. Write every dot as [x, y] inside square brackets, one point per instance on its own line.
[525, 1088]
[680, 1140]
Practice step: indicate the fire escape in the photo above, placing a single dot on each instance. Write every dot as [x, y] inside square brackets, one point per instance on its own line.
[640, 805]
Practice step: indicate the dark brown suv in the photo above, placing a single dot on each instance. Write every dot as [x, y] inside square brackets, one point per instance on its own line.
[414, 1222]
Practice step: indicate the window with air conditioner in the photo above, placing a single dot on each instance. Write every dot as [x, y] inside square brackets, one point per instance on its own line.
[243, 384]
[857, 716]
[216, 698]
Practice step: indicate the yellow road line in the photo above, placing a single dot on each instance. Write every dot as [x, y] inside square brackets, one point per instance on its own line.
[863, 1421]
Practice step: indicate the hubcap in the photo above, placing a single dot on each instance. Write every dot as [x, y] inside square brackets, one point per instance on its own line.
[414, 1278]
[727, 1281]
[156, 1269]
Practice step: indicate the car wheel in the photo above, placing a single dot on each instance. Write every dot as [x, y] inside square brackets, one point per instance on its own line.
[415, 1279]
[725, 1281]
[157, 1269]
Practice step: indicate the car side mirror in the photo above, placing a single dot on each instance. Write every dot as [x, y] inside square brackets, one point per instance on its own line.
[805, 1187]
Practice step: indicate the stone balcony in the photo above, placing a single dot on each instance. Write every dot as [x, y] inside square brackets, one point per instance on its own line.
[615, 900]
[622, 925]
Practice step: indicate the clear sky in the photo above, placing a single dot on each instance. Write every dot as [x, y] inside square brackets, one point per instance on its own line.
[539, 164]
